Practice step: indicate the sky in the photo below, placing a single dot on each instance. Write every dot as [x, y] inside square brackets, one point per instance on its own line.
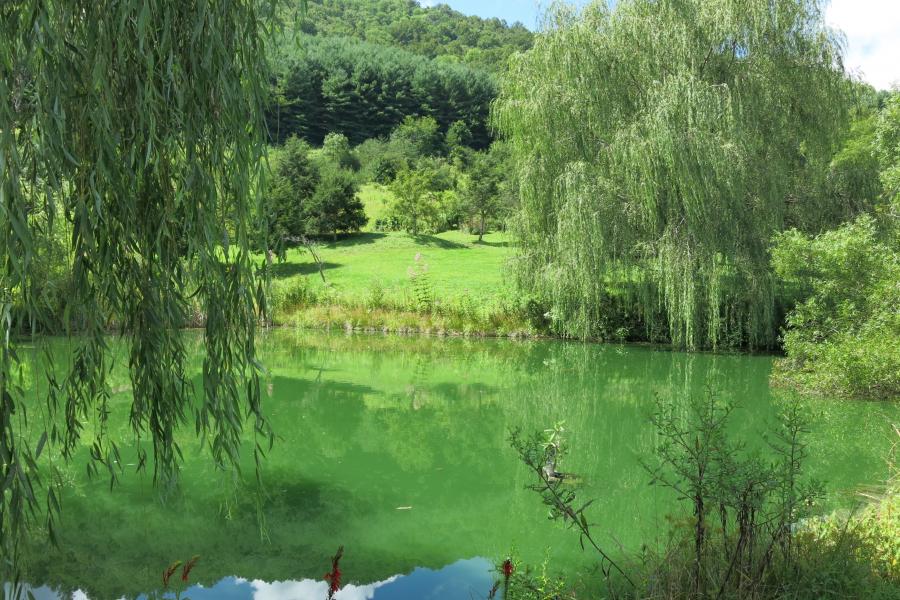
[872, 29]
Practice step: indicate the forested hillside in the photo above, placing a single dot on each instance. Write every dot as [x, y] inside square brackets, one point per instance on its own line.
[436, 32]
[360, 67]
[363, 90]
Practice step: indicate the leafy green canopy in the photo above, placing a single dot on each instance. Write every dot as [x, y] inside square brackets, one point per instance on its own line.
[480, 190]
[656, 145]
[138, 124]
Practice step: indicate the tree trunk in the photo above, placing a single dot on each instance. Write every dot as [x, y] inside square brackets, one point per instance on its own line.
[481, 229]
[309, 246]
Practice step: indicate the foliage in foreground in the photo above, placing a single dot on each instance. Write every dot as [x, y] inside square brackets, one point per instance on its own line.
[748, 532]
[113, 125]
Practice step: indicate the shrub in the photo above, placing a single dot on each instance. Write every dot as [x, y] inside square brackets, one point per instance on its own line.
[748, 533]
[335, 206]
[844, 337]
[287, 295]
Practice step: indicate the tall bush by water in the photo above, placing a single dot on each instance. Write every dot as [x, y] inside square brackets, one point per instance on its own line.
[843, 337]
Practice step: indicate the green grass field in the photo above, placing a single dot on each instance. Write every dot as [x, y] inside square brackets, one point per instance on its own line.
[376, 199]
[457, 264]
[357, 264]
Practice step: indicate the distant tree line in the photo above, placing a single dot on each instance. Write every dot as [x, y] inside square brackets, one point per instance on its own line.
[437, 183]
[362, 90]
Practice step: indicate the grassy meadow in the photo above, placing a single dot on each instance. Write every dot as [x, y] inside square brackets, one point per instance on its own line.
[443, 283]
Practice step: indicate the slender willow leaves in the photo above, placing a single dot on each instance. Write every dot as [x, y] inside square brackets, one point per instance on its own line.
[128, 129]
[656, 146]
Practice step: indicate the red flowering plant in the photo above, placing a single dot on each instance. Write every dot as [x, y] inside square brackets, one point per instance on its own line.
[169, 571]
[334, 576]
[186, 568]
[506, 570]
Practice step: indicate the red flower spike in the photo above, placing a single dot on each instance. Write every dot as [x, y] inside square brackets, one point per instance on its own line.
[187, 568]
[167, 574]
[508, 568]
[334, 577]
[334, 581]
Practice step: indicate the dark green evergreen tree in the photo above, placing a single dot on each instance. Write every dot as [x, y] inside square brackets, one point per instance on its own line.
[294, 182]
[335, 206]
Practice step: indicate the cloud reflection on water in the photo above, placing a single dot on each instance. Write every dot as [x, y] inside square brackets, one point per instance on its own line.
[461, 580]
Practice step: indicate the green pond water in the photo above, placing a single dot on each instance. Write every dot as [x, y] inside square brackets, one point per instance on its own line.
[396, 448]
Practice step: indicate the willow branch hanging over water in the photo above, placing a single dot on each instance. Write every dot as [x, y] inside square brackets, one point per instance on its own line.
[656, 146]
[127, 129]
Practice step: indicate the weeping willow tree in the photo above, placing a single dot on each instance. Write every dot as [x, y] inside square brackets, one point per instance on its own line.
[657, 145]
[131, 127]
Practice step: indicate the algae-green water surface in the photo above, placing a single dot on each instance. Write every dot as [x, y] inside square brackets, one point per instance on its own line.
[397, 449]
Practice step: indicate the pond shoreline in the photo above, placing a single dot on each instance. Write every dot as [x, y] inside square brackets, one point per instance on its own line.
[334, 318]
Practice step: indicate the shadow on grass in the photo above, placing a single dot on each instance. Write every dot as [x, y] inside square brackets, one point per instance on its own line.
[290, 269]
[436, 242]
[491, 244]
[353, 239]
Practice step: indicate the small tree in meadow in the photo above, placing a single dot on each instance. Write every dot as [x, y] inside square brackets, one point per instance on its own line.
[414, 201]
[335, 206]
[481, 192]
[336, 149]
[422, 196]
[294, 181]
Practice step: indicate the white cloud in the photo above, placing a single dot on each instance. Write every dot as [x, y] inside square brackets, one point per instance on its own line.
[872, 28]
[312, 590]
